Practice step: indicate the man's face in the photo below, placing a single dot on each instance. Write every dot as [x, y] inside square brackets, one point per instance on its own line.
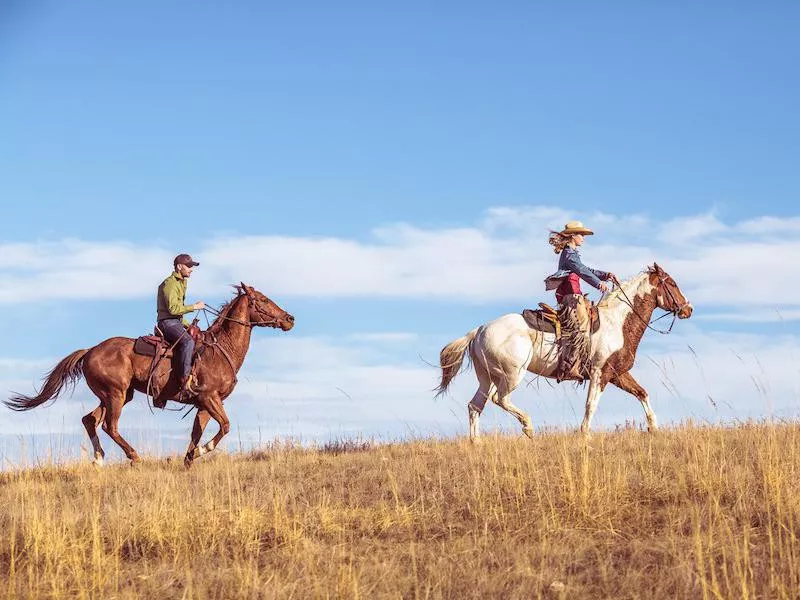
[184, 270]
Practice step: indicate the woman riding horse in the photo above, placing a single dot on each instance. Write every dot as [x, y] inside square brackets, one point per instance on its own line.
[574, 314]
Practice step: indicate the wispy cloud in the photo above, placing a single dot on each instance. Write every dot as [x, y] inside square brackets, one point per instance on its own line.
[767, 314]
[503, 257]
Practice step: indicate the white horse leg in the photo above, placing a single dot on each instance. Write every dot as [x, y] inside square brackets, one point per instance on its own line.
[503, 400]
[592, 399]
[627, 383]
[486, 389]
[475, 407]
[523, 417]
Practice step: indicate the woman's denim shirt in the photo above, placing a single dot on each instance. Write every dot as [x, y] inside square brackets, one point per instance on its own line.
[570, 262]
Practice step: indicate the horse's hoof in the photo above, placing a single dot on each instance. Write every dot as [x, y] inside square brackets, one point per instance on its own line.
[187, 462]
[135, 460]
[528, 431]
[98, 463]
[476, 441]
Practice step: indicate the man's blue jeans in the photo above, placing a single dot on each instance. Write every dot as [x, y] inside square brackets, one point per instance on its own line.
[174, 331]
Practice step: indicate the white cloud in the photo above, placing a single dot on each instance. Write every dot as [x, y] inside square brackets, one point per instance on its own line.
[504, 257]
[690, 229]
[773, 226]
[765, 314]
[399, 337]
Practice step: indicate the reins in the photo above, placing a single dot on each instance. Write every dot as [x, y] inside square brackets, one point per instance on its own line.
[219, 315]
[673, 312]
[214, 343]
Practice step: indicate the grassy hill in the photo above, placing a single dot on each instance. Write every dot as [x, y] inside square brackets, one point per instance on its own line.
[687, 513]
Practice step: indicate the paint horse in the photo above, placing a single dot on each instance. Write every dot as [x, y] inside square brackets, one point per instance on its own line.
[503, 350]
[113, 372]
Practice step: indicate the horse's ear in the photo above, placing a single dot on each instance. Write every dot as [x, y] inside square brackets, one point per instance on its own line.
[656, 268]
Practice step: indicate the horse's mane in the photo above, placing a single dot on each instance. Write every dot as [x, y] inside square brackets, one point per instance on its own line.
[224, 312]
[625, 285]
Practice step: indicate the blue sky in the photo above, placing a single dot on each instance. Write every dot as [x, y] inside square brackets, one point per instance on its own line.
[388, 174]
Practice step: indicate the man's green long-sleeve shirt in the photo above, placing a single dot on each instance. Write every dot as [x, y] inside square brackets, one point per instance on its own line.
[171, 299]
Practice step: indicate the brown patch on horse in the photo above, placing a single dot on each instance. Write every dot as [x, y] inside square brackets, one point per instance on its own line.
[633, 329]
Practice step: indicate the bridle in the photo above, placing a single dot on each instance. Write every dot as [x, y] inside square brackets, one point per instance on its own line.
[662, 280]
[215, 342]
[272, 322]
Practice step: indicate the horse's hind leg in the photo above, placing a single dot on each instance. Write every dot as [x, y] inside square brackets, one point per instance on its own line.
[524, 418]
[114, 404]
[626, 382]
[486, 390]
[503, 400]
[90, 422]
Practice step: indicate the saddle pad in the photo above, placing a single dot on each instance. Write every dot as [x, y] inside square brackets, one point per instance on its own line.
[147, 344]
[536, 321]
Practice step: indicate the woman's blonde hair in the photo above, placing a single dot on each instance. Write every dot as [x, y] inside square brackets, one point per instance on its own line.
[559, 240]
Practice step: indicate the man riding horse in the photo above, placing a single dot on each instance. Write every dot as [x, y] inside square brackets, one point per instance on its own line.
[171, 307]
[574, 314]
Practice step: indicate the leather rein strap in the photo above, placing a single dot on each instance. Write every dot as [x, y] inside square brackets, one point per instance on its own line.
[219, 315]
[674, 312]
[216, 345]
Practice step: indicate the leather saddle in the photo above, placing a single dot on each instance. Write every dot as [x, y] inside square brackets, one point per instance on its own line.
[150, 345]
[546, 319]
[156, 345]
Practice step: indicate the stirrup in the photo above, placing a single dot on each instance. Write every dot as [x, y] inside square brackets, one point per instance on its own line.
[187, 389]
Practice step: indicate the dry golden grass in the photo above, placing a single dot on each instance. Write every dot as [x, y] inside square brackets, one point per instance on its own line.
[687, 513]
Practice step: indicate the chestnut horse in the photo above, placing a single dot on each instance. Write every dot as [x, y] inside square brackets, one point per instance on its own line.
[113, 372]
[503, 350]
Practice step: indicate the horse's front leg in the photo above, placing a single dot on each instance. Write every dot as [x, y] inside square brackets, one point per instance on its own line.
[200, 422]
[212, 404]
[626, 382]
[592, 399]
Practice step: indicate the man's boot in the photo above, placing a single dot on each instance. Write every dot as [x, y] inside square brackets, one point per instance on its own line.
[186, 388]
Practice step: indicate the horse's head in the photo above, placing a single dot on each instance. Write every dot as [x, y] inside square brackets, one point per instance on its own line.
[669, 296]
[263, 312]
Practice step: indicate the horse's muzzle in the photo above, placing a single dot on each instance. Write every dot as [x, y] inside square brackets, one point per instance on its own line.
[686, 311]
[287, 323]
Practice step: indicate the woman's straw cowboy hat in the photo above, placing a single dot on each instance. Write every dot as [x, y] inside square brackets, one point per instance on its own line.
[575, 228]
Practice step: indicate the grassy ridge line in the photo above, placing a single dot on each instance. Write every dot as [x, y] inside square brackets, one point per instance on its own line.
[688, 513]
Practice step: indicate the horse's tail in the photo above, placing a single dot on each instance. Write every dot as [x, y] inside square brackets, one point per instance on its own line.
[68, 371]
[451, 357]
